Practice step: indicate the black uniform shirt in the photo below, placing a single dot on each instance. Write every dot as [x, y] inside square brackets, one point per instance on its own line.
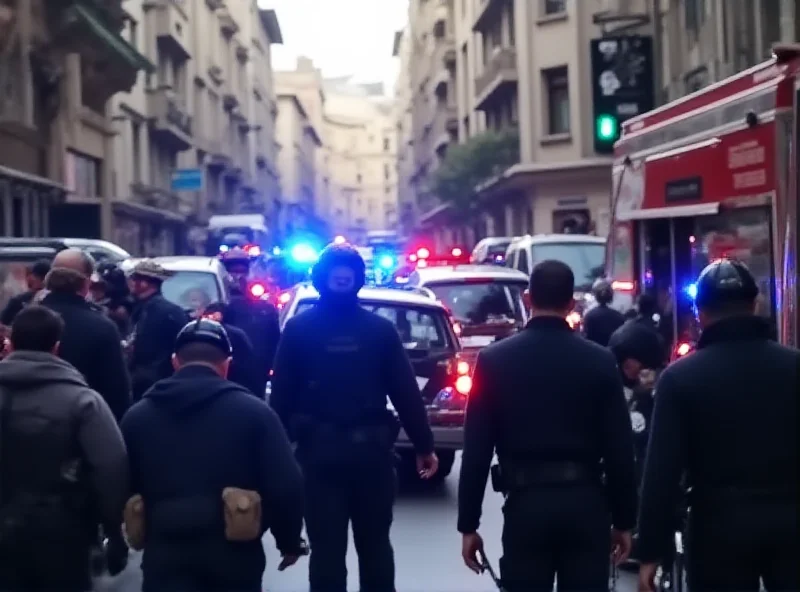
[600, 322]
[726, 415]
[547, 395]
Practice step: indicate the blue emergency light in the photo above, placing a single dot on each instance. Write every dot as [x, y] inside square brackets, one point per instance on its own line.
[304, 253]
[691, 291]
[386, 262]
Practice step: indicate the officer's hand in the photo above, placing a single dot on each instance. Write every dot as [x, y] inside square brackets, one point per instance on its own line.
[471, 548]
[427, 465]
[621, 545]
[647, 577]
[289, 559]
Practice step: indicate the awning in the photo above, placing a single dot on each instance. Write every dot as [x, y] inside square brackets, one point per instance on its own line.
[703, 209]
[82, 13]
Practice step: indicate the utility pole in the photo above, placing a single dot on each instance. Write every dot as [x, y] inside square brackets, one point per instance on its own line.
[788, 21]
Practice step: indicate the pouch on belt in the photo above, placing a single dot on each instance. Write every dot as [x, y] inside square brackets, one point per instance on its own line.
[242, 514]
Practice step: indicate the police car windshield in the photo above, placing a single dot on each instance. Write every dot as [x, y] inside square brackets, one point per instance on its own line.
[477, 302]
[587, 260]
[420, 329]
[192, 290]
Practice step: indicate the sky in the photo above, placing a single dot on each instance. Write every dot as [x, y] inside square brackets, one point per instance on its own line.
[343, 37]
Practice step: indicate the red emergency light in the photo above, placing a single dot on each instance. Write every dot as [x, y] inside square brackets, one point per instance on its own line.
[257, 290]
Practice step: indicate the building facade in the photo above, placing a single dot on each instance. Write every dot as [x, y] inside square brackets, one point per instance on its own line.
[60, 63]
[196, 137]
[300, 124]
[525, 65]
[361, 157]
[404, 139]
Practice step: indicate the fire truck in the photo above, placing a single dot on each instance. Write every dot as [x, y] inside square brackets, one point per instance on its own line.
[712, 175]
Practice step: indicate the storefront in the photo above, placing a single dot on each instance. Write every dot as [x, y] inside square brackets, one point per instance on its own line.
[25, 202]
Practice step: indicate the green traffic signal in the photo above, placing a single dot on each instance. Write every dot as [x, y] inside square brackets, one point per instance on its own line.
[606, 128]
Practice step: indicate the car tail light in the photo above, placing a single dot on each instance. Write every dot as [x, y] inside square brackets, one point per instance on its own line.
[462, 368]
[257, 290]
[683, 349]
[619, 286]
[284, 299]
[456, 252]
[464, 385]
[423, 253]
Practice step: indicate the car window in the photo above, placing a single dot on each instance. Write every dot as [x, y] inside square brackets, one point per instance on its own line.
[523, 263]
[477, 303]
[587, 260]
[419, 328]
[192, 290]
[13, 279]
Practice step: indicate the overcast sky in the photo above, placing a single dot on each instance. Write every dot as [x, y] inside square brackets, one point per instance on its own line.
[342, 36]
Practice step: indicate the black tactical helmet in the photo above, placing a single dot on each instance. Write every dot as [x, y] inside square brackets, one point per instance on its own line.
[725, 282]
[204, 330]
[602, 290]
[338, 255]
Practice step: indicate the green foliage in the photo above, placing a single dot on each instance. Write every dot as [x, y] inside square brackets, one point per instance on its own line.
[467, 166]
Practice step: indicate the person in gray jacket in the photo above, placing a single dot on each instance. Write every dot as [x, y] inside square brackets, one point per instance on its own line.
[63, 464]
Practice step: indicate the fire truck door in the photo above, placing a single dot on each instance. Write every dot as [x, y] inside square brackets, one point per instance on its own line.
[666, 274]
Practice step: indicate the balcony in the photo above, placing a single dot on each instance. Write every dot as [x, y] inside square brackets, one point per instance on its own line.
[442, 131]
[449, 57]
[171, 24]
[440, 82]
[227, 24]
[487, 12]
[171, 121]
[498, 79]
[154, 197]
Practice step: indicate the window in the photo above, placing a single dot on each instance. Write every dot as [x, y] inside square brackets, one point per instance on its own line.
[386, 144]
[523, 264]
[552, 7]
[482, 301]
[133, 33]
[558, 113]
[83, 174]
[192, 290]
[358, 178]
[136, 151]
[695, 16]
[585, 259]
[387, 172]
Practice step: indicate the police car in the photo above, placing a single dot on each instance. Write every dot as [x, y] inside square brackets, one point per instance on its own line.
[485, 301]
[429, 338]
[198, 281]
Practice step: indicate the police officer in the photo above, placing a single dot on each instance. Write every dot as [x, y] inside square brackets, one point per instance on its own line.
[727, 416]
[257, 318]
[114, 296]
[600, 322]
[335, 366]
[550, 404]
[193, 436]
[244, 370]
[156, 322]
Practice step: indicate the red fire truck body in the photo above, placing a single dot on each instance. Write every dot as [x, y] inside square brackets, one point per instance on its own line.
[712, 175]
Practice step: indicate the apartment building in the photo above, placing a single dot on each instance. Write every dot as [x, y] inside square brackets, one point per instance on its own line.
[195, 137]
[432, 65]
[360, 156]
[59, 65]
[300, 122]
[404, 140]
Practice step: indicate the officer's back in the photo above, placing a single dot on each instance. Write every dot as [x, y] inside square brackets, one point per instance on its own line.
[601, 321]
[551, 404]
[727, 415]
[191, 436]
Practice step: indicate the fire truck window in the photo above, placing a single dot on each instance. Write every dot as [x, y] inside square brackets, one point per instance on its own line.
[742, 234]
[657, 272]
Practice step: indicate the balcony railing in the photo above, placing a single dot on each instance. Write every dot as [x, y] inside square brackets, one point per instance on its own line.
[170, 117]
[501, 67]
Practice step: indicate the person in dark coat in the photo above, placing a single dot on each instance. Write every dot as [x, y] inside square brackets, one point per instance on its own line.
[63, 463]
[156, 322]
[34, 278]
[601, 321]
[244, 370]
[726, 417]
[336, 365]
[191, 436]
[550, 405]
[91, 341]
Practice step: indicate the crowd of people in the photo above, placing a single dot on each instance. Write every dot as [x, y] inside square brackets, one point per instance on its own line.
[121, 415]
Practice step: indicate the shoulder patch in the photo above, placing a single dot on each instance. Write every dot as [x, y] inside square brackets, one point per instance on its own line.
[638, 422]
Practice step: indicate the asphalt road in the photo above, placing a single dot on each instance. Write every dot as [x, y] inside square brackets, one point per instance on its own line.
[427, 550]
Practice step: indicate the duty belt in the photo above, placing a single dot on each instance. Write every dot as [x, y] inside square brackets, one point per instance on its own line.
[550, 473]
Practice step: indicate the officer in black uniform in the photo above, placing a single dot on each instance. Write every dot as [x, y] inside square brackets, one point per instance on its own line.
[192, 436]
[257, 318]
[600, 322]
[335, 366]
[550, 404]
[156, 322]
[727, 417]
[244, 370]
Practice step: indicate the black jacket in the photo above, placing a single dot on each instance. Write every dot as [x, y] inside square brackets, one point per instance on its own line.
[93, 345]
[156, 323]
[600, 322]
[190, 436]
[338, 366]
[245, 369]
[547, 395]
[14, 305]
[259, 320]
[727, 416]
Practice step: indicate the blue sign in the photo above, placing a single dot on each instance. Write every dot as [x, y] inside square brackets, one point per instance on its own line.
[187, 180]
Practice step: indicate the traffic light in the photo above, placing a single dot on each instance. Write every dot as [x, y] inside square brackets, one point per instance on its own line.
[606, 132]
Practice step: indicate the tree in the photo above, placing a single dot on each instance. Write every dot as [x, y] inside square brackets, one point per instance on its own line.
[466, 166]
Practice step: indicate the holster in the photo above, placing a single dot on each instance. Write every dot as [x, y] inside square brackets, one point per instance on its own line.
[499, 483]
[133, 517]
[242, 514]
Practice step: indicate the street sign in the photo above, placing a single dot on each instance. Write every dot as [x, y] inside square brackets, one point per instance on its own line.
[622, 85]
[187, 180]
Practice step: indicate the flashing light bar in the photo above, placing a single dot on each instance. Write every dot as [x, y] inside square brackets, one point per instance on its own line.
[386, 262]
[691, 291]
[423, 253]
[456, 252]
[303, 253]
[623, 286]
